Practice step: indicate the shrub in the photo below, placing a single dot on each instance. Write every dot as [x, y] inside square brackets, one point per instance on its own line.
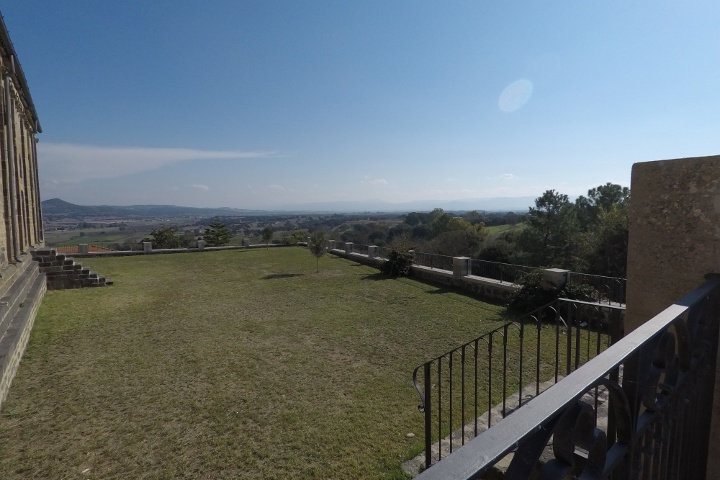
[534, 293]
[399, 259]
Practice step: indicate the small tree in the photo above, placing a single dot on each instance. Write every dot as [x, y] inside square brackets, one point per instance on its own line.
[217, 234]
[165, 238]
[317, 247]
[267, 234]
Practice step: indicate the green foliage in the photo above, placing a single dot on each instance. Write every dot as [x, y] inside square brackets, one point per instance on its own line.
[534, 293]
[267, 234]
[317, 247]
[165, 238]
[297, 236]
[399, 259]
[217, 234]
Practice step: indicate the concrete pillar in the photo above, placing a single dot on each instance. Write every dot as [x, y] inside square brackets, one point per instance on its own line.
[83, 248]
[201, 244]
[349, 247]
[461, 266]
[674, 242]
[555, 277]
[372, 251]
[147, 246]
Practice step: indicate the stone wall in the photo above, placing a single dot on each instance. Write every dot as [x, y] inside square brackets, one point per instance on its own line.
[484, 287]
[18, 308]
[674, 241]
[63, 272]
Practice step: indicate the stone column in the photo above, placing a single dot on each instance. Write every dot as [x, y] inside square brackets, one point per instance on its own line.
[83, 248]
[349, 247]
[201, 244]
[372, 251]
[147, 247]
[331, 244]
[461, 266]
[674, 242]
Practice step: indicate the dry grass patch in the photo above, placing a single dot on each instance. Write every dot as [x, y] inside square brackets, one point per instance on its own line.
[236, 364]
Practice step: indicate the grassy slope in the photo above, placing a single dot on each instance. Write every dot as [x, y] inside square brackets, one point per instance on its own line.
[239, 364]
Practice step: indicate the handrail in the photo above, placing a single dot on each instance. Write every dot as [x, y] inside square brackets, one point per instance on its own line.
[659, 367]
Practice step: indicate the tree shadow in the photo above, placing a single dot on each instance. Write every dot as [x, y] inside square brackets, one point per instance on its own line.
[282, 275]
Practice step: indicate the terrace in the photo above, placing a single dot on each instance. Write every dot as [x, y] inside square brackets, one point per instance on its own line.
[234, 363]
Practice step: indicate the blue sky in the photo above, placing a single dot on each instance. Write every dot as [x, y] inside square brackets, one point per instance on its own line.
[264, 104]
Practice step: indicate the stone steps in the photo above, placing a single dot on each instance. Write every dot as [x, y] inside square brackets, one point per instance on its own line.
[64, 272]
[18, 309]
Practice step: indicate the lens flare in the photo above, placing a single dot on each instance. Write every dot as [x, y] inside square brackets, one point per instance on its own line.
[515, 95]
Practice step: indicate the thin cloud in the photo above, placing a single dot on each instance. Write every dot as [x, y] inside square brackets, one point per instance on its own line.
[374, 181]
[65, 162]
[200, 186]
[506, 177]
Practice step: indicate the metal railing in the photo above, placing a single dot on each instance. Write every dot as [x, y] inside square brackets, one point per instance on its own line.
[659, 382]
[504, 272]
[362, 249]
[507, 366]
[94, 247]
[608, 289]
[433, 260]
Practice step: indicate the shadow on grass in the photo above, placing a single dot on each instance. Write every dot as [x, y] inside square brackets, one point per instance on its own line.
[376, 276]
[282, 275]
[442, 289]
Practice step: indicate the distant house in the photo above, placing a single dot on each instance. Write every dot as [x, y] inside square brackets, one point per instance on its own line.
[22, 228]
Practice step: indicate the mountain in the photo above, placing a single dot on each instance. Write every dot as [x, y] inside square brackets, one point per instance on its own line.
[57, 208]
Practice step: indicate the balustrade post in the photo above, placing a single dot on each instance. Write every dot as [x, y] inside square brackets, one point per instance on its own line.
[461, 266]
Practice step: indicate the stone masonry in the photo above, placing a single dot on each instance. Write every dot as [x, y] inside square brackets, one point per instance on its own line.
[63, 272]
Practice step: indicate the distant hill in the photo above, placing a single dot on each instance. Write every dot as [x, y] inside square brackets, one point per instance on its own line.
[57, 208]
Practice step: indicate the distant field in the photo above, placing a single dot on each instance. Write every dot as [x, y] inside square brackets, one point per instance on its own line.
[234, 364]
[498, 229]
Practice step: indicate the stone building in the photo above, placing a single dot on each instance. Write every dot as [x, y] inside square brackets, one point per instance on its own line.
[21, 229]
[22, 285]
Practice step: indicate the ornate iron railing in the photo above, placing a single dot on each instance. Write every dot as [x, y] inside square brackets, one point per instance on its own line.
[659, 380]
[508, 365]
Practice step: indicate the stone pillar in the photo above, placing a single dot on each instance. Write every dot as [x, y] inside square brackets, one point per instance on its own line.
[201, 244]
[674, 242]
[147, 246]
[331, 244]
[83, 248]
[349, 247]
[372, 251]
[461, 266]
[555, 277]
[309, 241]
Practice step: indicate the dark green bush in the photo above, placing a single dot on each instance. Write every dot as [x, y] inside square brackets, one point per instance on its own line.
[534, 293]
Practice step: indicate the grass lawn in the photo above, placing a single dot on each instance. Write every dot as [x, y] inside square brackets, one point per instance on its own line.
[496, 230]
[235, 364]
